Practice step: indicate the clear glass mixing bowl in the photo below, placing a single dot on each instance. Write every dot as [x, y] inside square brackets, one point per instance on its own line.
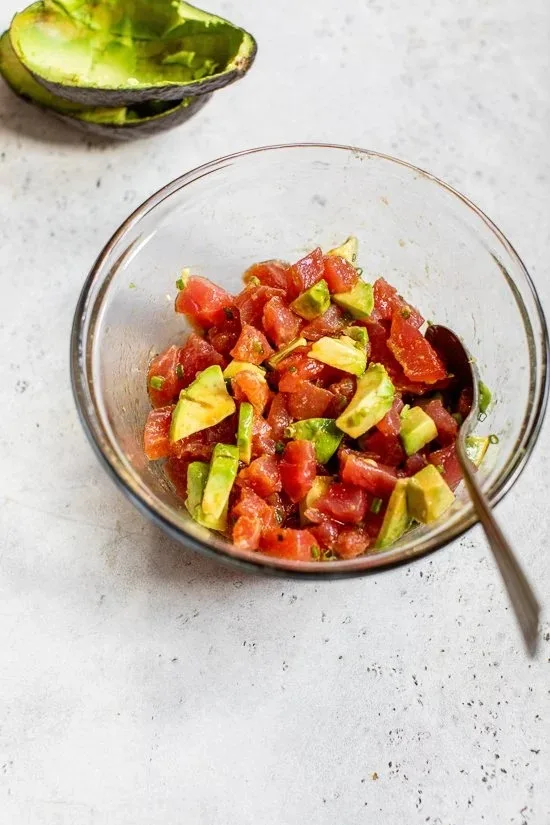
[280, 201]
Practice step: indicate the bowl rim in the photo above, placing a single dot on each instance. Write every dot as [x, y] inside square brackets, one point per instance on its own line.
[80, 357]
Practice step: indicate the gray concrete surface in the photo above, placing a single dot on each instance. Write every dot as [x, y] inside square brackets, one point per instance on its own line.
[140, 684]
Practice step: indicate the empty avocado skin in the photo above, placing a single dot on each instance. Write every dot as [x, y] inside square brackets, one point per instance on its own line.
[417, 429]
[112, 123]
[313, 302]
[323, 432]
[359, 301]
[428, 495]
[123, 52]
[372, 400]
[396, 519]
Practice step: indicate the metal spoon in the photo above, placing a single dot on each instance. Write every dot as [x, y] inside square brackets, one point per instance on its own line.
[523, 600]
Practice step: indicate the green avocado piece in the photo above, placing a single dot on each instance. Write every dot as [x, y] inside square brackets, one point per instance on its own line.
[359, 335]
[340, 353]
[428, 495]
[244, 431]
[235, 367]
[119, 123]
[417, 429]
[313, 302]
[282, 353]
[197, 476]
[372, 399]
[121, 52]
[323, 432]
[318, 488]
[221, 477]
[359, 301]
[476, 447]
[202, 404]
[396, 518]
[347, 250]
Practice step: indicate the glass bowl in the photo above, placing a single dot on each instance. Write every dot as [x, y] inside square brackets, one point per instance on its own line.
[428, 240]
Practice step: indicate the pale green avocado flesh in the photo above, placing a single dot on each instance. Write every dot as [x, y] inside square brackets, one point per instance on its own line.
[25, 86]
[130, 47]
[396, 518]
[322, 432]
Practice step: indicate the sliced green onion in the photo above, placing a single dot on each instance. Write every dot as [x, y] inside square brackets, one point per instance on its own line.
[405, 313]
[315, 552]
[493, 439]
[458, 418]
[131, 285]
[376, 505]
[359, 270]
[228, 313]
[485, 396]
[156, 382]
[253, 281]
[292, 369]
[440, 468]
[279, 446]
[179, 370]
[180, 284]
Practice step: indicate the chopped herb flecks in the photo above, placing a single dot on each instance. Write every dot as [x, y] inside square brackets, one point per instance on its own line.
[157, 382]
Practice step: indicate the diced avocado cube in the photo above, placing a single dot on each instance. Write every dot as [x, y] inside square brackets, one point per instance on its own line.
[476, 447]
[313, 302]
[396, 518]
[347, 250]
[221, 477]
[340, 353]
[197, 475]
[244, 431]
[359, 335]
[428, 495]
[359, 301]
[323, 432]
[318, 488]
[282, 353]
[202, 404]
[372, 399]
[235, 367]
[417, 429]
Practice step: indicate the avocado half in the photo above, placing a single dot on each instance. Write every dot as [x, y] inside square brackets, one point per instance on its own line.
[120, 123]
[121, 52]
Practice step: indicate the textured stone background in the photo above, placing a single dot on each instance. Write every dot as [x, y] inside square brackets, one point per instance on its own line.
[140, 684]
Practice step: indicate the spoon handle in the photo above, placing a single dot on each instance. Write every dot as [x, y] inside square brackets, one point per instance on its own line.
[522, 597]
